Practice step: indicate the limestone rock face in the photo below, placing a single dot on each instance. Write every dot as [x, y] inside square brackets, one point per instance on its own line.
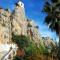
[34, 32]
[12, 22]
[4, 26]
[17, 23]
[48, 42]
[19, 20]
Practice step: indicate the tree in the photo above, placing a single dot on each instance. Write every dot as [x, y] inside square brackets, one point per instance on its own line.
[53, 16]
[52, 8]
[16, 58]
[22, 42]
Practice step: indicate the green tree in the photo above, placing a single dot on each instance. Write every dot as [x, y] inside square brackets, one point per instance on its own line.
[16, 58]
[31, 49]
[22, 42]
[52, 8]
[53, 16]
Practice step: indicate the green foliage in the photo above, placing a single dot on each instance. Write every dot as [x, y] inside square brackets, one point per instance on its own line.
[53, 15]
[16, 58]
[31, 49]
[28, 45]
[21, 41]
[43, 48]
[52, 19]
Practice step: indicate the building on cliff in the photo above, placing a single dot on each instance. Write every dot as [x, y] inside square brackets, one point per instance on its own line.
[17, 23]
[12, 22]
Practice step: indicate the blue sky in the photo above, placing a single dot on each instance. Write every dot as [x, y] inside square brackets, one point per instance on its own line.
[33, 10]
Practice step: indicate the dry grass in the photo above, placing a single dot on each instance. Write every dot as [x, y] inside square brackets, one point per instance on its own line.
[42, 57]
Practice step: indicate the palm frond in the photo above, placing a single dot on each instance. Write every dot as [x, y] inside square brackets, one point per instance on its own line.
[47, 7]
[48, 19]
[54, 1]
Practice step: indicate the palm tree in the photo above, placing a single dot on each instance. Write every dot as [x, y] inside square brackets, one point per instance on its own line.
[52, 9]
[53, 16]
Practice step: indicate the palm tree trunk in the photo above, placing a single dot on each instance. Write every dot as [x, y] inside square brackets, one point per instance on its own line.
[59, 38]
[59, 47]
[59, 41]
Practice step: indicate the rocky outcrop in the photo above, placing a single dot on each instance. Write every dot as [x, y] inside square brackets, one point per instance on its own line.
[17, 23]
[12, 22]
[5, 26]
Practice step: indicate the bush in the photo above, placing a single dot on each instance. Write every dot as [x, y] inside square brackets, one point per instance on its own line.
[21, 41]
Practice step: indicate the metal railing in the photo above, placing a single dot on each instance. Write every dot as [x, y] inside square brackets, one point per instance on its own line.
[10, 54]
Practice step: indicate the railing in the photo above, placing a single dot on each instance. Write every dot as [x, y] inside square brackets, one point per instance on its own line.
[10, 54]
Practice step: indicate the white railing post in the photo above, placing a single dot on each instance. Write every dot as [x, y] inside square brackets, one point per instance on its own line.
[10, 54]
